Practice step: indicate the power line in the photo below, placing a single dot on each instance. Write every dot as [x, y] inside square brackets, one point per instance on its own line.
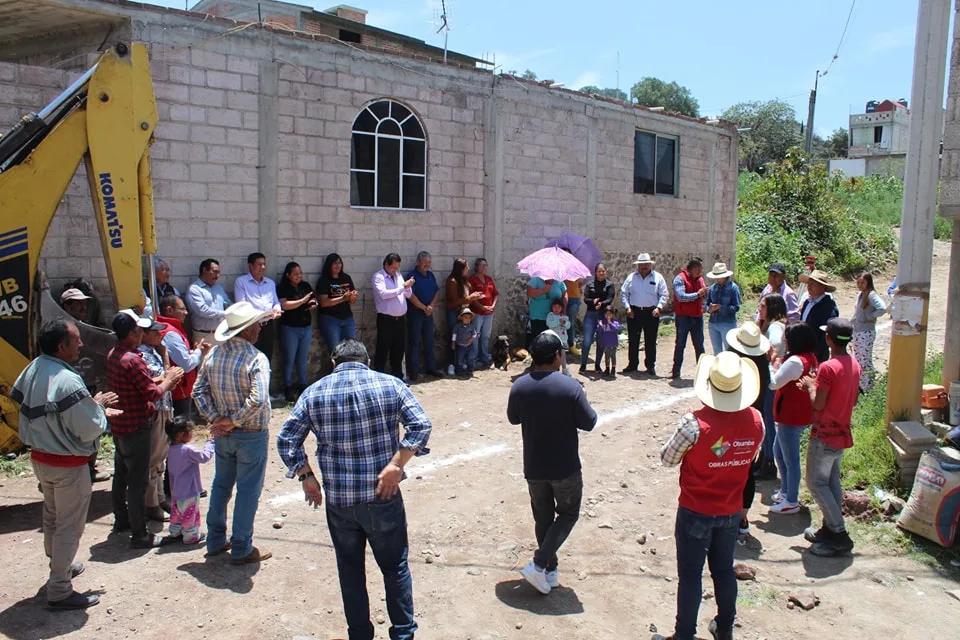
[836, 54]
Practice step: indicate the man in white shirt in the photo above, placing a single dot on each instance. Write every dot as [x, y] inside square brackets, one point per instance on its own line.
[643, 294]
[206, 301]
[261, 292]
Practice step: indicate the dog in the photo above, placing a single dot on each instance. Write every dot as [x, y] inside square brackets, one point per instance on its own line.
[501, 352]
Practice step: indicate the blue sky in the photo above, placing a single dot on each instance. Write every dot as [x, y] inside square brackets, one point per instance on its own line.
[724, 51]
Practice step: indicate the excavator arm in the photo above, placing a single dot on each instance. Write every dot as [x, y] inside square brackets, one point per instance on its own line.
[105, 119]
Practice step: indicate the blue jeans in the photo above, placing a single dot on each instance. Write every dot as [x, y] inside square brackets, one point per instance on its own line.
[335, 330]
[466, 357]
[786, 449]
[241, 460]
[384, 525]
[573, 309]
[823, 480]
[421, 329]
[718, 334]
[483, 325]
[769, 426]
[700, 538]
[590, 321]
[687, 326]
[295, 346]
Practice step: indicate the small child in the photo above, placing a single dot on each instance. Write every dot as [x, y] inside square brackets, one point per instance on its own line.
[183, 462]
[559, 324]
[608, 337]
[463, 337]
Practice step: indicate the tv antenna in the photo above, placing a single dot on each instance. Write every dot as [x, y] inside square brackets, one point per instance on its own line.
[443, 20]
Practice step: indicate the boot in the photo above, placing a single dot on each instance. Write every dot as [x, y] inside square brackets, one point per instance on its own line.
[290, 393]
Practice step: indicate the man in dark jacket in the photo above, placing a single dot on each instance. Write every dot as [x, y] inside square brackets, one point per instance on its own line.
[818, 308]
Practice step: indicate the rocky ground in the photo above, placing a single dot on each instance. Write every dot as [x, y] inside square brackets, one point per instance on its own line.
[470, 530]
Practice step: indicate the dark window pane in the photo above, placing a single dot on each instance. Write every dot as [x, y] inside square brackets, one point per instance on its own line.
[388, 172]
[414, 156]
[361, 153]
[365, 122]
[413, 192]
[380, 109]
[349, 36]
[389, 127]
[361, 189]
[398, 112]
[412, 129]
[666, 163]
[644, 150]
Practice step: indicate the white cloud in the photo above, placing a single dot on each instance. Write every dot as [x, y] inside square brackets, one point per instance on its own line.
[587, 78]
[518, 62]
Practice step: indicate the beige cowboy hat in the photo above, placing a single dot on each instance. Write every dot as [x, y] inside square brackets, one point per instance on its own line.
[643, 258]
[719, 271]
[748, 339]
[239, 316]
[818, 276]
[726, 382]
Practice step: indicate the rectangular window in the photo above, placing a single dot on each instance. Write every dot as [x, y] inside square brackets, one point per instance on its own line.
[349, 36]
[877, 135]
[655, 163]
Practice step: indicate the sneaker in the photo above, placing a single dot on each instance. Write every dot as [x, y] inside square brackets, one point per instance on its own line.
[574, 350]
[777, 496]
[553, 578]
[814, 535]
[73, 601]
[536, 577]
[583, 369]
[148, 541]
[832, 544]
[785, 507]
[716, 633]
[451, 371]
[744, 526]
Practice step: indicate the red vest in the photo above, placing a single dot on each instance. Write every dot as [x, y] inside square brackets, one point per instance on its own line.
[694, 308]
[714, 471]
[185, 386]
[792, 406]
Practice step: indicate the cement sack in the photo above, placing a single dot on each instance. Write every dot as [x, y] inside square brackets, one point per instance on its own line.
[933, 509]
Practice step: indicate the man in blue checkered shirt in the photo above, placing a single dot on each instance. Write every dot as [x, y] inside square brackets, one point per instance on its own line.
[355, 413]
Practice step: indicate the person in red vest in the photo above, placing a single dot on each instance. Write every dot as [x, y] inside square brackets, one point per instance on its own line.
[714, 447]
[173, 312]
[689, 291]
[833, 393]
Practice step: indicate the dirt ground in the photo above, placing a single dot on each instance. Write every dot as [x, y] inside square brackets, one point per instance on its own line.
[470, 530]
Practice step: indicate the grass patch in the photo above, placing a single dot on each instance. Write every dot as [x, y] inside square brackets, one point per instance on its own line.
[756, 595]
[16, 467]
[894, 541]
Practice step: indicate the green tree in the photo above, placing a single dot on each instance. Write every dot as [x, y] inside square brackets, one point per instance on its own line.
[768, 130]
[838, 142]
[615, 94]
[528, 75]
[653, 92]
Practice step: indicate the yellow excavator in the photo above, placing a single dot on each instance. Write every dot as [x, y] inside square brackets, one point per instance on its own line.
[105, 119]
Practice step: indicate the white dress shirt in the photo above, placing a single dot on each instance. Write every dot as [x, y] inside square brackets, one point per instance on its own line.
[206, 304]
[638, 291]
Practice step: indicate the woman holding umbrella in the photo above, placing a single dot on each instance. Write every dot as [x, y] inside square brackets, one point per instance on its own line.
[597, 296]
[548, 268]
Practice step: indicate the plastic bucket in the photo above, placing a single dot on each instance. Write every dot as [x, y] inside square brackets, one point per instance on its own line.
[954, 408]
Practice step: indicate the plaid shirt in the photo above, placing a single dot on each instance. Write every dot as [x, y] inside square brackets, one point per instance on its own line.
[354, 414]
[682, 441]
[234, 382]
[129, 378]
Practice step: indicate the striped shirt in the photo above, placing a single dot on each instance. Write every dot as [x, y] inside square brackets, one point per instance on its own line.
[682, 441]
[234, 382]
[354, 414]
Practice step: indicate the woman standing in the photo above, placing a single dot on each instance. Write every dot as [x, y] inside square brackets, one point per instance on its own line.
[296, 330]
[336, 293]
[772, 313]
[457, 297]
[597, 297]
[483, 309]
[869, 307]
[793, 412]
[723, 303]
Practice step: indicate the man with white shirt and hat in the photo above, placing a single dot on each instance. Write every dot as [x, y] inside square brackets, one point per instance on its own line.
[232, 392]
[644, 295]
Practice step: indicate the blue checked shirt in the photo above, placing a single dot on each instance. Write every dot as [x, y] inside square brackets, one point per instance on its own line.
[234, 382]
[354, 414]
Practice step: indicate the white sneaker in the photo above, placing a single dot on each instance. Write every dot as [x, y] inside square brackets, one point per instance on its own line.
[785, 507]
[451, 371]
[536, 577]
[777, 496]
[553, 578]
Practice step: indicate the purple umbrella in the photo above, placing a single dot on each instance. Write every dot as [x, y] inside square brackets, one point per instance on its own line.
[582, 249]
[553, 264]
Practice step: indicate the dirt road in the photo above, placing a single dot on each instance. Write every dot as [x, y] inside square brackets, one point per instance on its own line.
[470, 530]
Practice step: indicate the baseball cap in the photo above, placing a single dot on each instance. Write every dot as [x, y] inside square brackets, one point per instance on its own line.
[545, 346]
[777, 267]
[840, 329]
[129, 319]
[73, 294]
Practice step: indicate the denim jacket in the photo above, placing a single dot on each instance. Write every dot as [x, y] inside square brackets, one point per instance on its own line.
[728, 297]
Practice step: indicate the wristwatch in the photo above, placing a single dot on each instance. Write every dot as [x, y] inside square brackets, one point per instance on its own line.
[308, 474]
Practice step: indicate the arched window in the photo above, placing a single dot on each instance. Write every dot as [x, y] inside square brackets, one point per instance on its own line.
[388, 158]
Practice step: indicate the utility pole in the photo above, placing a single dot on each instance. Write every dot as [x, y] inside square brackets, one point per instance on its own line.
[808, 140]
[911, 302]
[950, 208]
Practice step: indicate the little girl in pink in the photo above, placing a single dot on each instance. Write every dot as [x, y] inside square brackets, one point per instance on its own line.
[183, 464]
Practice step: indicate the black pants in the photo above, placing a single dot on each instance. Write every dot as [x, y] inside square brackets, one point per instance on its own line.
[536, 328]
[391, 340]
[556, 507]
[131, 461]
[642, 322]
[268, 335]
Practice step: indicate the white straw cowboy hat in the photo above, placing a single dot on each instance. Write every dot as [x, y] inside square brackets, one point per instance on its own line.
[239, 316]
[643, 258]
[719, 271]
[726, 382]
[748, 339]
[818, 276]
